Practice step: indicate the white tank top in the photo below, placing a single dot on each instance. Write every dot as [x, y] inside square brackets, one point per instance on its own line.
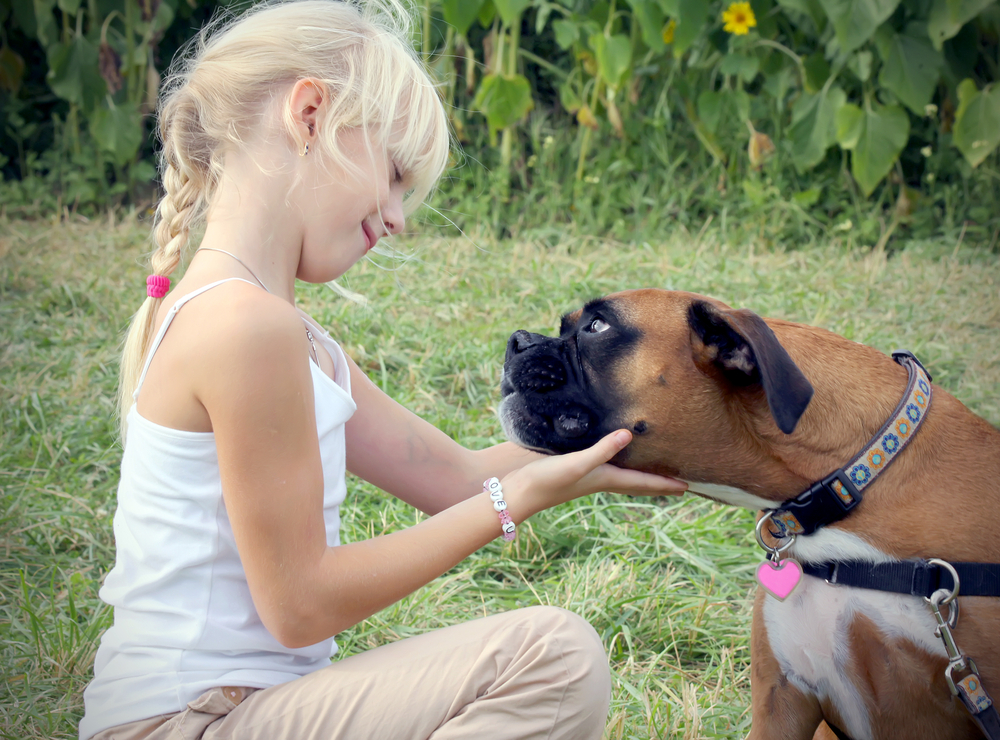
[184, 621]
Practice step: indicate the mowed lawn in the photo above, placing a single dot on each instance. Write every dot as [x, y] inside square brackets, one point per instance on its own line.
[667, 583]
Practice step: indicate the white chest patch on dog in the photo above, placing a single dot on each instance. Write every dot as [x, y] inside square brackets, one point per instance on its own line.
[829, 544]
[808, 632]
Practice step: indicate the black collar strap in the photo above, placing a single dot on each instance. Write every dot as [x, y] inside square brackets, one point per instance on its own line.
[833, 498]
[914, 577]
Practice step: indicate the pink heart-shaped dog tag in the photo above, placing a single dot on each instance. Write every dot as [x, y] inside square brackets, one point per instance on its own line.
[781, 579]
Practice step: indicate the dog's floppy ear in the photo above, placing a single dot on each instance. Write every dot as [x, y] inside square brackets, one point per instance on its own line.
[740, 344]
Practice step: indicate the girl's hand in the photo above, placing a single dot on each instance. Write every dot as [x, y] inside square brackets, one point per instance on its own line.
[554, 480]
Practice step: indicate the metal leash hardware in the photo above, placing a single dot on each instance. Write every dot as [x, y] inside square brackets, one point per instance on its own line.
[969, 689]
[773, 553]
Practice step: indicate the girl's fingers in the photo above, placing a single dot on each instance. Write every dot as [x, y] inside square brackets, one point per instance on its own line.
[637, 483]
[592, 464]
[584, 463]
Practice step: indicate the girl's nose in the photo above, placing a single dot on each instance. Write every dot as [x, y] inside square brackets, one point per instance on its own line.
[392, 212]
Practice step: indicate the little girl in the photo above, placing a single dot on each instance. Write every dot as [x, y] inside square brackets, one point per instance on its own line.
[301, 134]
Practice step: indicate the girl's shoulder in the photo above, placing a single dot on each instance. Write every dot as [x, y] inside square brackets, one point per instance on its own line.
[232, 307]
[236, 324]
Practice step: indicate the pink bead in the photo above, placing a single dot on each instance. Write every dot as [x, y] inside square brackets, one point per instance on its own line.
[157, 286]
[508, 526]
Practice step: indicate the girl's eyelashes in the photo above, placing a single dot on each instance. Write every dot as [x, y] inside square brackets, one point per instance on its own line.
[397, 174]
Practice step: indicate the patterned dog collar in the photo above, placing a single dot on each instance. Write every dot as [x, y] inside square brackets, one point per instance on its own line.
[836, 496]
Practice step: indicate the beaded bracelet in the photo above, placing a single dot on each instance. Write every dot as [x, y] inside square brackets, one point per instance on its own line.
[493, 487]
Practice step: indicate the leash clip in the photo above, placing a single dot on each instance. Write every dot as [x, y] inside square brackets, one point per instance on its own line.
[957, 660]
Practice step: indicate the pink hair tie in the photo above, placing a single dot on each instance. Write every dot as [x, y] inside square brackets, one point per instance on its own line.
[493, 487]
[157, 286]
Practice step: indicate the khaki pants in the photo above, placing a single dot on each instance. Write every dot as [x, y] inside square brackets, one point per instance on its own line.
[539, 672]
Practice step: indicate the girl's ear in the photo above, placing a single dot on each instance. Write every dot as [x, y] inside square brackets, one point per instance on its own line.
[307, 98]
[742, 346]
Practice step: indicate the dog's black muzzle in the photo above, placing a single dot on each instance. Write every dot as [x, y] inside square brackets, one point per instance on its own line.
[546, 404]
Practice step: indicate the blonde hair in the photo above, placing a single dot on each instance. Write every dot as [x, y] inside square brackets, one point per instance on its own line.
[237, 73]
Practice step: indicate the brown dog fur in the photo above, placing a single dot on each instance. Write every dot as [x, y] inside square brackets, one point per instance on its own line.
[940, 498]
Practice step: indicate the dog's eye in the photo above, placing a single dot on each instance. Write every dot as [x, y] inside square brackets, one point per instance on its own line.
[597, 325]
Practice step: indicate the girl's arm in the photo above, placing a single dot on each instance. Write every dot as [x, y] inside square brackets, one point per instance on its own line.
[257, 387]
[394, 449]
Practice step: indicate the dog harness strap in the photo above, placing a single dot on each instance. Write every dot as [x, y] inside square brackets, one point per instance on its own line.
[833, 498]
[913, 577]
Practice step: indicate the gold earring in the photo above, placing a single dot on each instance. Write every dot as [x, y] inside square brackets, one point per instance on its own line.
[305, 150]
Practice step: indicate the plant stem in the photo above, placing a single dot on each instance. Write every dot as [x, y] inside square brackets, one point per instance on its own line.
[585, 144]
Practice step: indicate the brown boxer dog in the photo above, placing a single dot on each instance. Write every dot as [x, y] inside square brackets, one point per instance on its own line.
[752, 413]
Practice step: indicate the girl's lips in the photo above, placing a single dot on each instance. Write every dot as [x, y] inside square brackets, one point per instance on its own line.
[370, 238]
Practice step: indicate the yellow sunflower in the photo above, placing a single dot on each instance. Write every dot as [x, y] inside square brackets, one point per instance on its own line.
[739, 19]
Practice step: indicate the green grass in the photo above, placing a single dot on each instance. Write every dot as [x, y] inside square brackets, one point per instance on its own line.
[667, 583]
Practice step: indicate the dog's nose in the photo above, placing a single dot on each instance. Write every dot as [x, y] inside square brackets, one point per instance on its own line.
[518, 342]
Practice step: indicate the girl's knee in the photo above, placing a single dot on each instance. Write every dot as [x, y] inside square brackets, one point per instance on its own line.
[574, 645]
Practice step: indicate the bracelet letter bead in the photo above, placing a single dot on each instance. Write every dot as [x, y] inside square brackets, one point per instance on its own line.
[493, 487]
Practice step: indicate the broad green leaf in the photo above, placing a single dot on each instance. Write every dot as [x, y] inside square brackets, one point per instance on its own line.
[24, 14]
[614, 55]
[779, 77]
[486, 14]
[877, 138]
[510, 10]
[569, 99]
[504, 100]
[911, 67]
[566, 31]
[741, 99]
[817, 71]
[808, 197]
[46, 29]
[764, 12]
[849, 120]
[860, 64]
[691, 17]
[649, 16]
[164, 17]
[811, 8]
[460, 14]
[977, 121]
[739, 64]
[69, 6]
[11, 69]
[117, 130]
[813, 128]
[670, 8]
[948, 16]
[73, 73]
[710, 105]
[856, 20]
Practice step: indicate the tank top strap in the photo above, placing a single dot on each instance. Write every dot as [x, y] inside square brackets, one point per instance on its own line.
[178, 305]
